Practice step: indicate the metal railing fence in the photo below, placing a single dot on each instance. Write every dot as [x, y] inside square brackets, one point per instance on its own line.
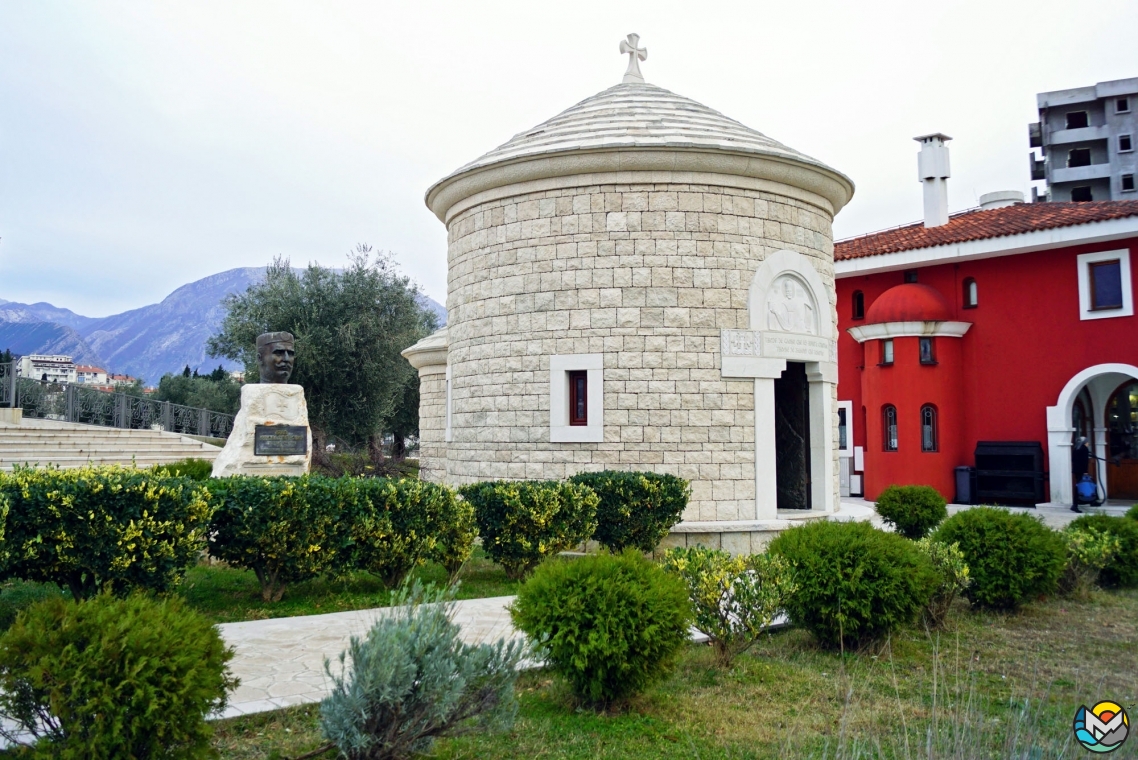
[72, 402]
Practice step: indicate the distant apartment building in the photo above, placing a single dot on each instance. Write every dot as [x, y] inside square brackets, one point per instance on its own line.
[88, 375]
[121, 380]
[1086, 136]
[54, 368]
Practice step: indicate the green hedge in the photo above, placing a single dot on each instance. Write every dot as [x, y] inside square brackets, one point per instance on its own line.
[610, 625]
[913, 511]
[114, 678]
[1011, 558]
[398, 525]
[636, 509]
[284, 529]
[523, 522]
[94, 528]
[196, 469]
[855, 583]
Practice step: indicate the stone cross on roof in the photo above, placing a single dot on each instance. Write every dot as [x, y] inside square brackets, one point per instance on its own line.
[629, 46]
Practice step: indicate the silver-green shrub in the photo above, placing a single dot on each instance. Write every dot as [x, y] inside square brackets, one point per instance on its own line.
[411, 679]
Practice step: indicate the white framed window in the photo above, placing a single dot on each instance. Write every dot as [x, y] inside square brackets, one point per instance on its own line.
[447, 436]
[584, 422]
[845, 429]
[1125, 144]
[1105, 285]
[1122, 105]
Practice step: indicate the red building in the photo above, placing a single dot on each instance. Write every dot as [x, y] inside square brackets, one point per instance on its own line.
[1006, 323]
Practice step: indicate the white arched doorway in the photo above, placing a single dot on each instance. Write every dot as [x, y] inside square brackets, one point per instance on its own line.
[1099, 381]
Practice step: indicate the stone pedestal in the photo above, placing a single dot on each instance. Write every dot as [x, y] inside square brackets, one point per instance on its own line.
[266, 405]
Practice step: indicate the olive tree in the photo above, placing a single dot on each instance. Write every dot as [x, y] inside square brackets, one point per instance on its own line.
[350, 326]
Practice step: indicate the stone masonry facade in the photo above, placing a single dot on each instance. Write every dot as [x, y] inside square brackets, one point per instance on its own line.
[647, 275]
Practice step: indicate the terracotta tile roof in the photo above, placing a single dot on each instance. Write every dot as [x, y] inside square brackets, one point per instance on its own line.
[979, 224]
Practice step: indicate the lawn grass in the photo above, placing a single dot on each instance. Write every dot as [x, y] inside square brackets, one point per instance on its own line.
[227, 594]
[788, 698]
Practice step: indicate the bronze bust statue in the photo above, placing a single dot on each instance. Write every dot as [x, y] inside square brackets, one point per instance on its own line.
[275, 355]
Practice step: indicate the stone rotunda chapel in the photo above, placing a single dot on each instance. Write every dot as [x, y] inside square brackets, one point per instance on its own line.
[641, 283]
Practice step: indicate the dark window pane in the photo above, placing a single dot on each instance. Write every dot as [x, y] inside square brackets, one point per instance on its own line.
[928, 355]
[1077, 120]
[889, 420]
[1127, 181]
[1081, 194]
[578, 398]
[858, 305]
[1079, 157]
[1106, 285]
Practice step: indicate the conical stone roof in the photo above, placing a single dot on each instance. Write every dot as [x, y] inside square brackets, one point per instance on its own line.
[637, 127]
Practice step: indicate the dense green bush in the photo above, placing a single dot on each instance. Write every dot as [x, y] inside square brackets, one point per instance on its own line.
[523, 522]
[111, 678]
[284, 529]
[193, 468]
[1122, 570]
[1132, 513]
[855, 583]
[397, 526]
[412, 679]
[455, 542]
[912, 510]
[1089, 550]
[610, 625]
[636, 509]
[1011, 558]
[733, 598]
[91, 528]
[952, 578]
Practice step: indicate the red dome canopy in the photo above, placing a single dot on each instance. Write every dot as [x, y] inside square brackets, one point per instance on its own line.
[910, 302]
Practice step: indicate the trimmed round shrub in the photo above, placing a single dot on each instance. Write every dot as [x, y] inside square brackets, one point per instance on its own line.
[1011, 558]
[636, 509]
[284, 529]
[913, 511]
[610, 625]
[734, 597]
[1122, 570]
[855, 583]
[522, 522]
[397, 526]
[93, 528]
[114, 678]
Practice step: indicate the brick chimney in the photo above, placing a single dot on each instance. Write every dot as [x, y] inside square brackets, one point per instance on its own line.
[933, 172]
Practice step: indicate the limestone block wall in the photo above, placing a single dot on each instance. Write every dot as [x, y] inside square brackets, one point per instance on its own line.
[432, 423]
[646, 274]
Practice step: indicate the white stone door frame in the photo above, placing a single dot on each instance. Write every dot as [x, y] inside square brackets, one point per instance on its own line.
[746, 355]
[1100, 381]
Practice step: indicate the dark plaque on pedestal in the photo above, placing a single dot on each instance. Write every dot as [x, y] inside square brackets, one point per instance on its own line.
[280, 440]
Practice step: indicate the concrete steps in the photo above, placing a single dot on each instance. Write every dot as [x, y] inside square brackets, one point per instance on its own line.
[44, 442]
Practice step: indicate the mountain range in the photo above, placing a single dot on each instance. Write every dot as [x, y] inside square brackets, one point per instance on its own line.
[147, 342]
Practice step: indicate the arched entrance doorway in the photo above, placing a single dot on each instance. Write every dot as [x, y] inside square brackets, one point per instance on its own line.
[1081, 409]
[1122, 442]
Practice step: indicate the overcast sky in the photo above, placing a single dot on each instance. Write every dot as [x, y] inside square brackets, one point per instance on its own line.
[144, 145]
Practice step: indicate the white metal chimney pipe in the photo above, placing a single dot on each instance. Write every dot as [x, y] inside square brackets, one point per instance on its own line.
[933, 172]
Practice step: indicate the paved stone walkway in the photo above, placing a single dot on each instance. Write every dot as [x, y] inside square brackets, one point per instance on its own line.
[281, 661]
